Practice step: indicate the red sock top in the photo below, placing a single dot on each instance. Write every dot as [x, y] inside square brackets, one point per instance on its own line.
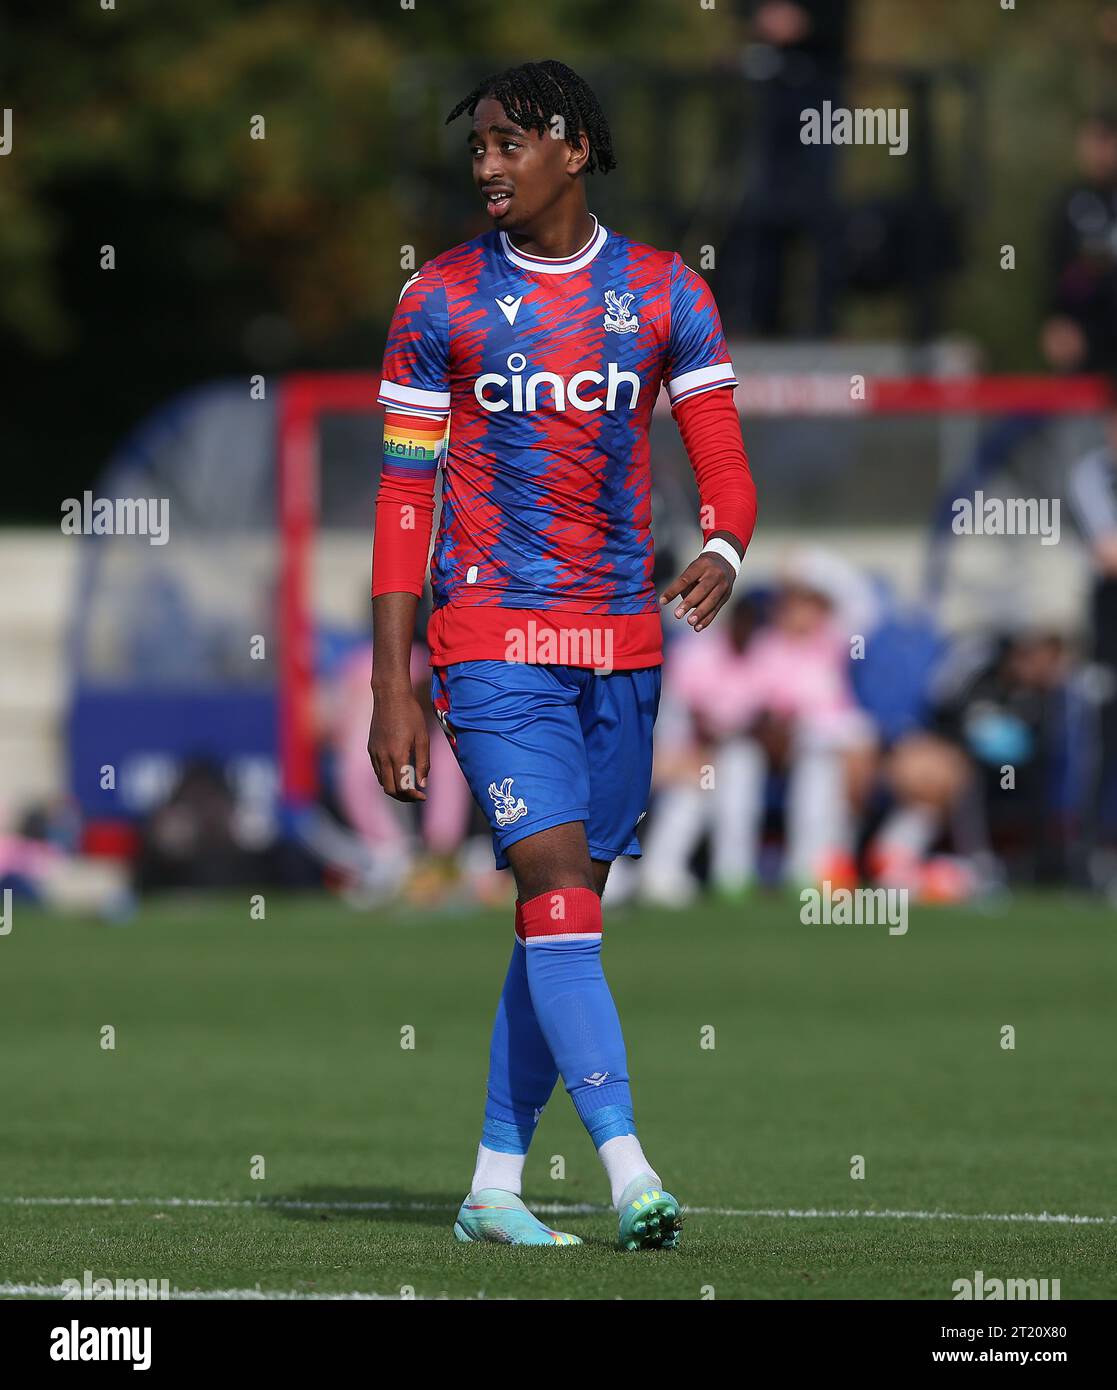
[560, 913]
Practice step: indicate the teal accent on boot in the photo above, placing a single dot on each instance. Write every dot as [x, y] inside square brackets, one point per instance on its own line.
[650, 1219]
[501, 1217]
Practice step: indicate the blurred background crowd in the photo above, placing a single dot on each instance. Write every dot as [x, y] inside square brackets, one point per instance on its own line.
[889, 701]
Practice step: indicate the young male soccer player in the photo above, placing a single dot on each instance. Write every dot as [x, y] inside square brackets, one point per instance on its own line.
[544, 341]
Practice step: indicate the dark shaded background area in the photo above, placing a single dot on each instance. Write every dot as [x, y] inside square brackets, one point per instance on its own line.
[131, 127]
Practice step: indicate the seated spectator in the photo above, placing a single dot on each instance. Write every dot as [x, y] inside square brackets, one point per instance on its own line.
[1005, 710]
[922, 777]
[774, 700]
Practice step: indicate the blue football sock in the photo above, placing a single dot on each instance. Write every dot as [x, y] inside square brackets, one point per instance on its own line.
[575, 1008]
[522, 1072]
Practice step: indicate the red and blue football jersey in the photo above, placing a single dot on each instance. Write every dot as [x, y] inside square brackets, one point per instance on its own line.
[547, 370]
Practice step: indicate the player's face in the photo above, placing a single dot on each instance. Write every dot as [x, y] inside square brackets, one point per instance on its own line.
[519, 173]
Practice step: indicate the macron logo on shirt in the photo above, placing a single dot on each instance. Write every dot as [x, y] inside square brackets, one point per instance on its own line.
[509, 307]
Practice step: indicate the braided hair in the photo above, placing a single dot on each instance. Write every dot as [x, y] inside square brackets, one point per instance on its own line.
[534, 93]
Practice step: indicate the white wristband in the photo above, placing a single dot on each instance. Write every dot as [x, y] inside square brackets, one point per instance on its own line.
[716, 546]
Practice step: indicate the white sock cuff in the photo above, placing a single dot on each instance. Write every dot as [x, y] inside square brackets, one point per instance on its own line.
[500, 1170]
[624, 1161]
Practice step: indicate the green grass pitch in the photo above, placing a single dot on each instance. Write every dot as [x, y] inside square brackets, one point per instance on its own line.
[282, 1038]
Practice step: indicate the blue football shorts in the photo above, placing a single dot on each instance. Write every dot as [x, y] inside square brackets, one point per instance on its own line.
[544, 745]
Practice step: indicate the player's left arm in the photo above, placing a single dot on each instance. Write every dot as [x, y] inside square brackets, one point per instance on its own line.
[700, 382]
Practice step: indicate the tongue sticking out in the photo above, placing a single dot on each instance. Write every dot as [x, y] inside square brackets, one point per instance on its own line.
[497, 207]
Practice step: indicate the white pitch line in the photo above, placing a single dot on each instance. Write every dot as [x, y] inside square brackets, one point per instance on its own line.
[1039, 1217]
[178, 1295]
[562, 1209]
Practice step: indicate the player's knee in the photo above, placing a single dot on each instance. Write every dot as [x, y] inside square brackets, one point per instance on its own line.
[547, 873]
[534, 884]
[553, 859]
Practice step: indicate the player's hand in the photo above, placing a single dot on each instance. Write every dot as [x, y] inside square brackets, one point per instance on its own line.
[702, 589]
[399, 745]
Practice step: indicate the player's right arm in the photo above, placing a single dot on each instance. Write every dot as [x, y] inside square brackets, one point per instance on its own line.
[398, 743]
[415, 391]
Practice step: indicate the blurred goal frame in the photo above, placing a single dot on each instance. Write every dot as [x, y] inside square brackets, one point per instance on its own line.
[306, 396]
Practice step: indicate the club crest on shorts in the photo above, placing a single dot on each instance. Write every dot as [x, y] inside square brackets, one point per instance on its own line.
[509, 808]
[618, 319]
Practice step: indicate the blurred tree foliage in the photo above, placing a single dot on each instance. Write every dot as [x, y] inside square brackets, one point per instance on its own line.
[132, 127]
[145, 110]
